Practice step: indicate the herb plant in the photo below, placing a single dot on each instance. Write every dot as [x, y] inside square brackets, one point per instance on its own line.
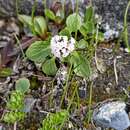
[55, 121]
[15, 105]
[42, 51]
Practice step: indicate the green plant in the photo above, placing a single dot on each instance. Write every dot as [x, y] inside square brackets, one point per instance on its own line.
[54, 121]
[42, 51]
[37, 25]
[5, 72]
[15, 104]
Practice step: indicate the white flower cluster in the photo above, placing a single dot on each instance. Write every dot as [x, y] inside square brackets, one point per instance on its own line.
[61, 46]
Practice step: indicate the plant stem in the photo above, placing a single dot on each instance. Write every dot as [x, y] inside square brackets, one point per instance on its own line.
[63, 7]
[66, 86]
[32, 15]
[45, 4]
[17, 11]
[72, 98]
[69, 105]
[78, 99]
[77, 5]
[126, 27]
[18, 42]
[90, 102]
[15, 126]
[90, 3]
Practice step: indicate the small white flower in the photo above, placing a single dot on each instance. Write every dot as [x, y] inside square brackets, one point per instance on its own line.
[61, 46]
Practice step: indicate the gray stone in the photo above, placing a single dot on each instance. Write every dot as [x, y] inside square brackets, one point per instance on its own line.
[112, 115]
[8, 8]
[110, 10]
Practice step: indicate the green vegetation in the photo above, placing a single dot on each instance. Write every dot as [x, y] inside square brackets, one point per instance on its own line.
[15, 105]
[77, 37]
[55, 121]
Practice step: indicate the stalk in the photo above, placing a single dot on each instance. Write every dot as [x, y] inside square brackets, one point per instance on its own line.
[126, 27]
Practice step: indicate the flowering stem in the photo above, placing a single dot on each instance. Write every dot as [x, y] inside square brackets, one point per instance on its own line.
[78, 99]
[17, 10]
[18, 42]
[75, 90]
[63, 7]
[126, 27]
[72, 98]
[45, 3]
[32, 15]
[90, 102]
[66, 86]
[77, 4]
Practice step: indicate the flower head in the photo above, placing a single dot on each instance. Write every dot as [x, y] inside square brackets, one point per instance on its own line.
[61, 46]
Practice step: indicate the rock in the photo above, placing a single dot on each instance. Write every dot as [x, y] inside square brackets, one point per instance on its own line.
[112, 114]
[8, 8]
[29, 103]
[112, 11]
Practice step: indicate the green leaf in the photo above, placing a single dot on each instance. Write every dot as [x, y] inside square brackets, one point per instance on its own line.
[87, 28]
[65, 32]
[12, 117]
[38, 51]
[54, 121]
[16, 101]
[82, 44]
[100, 37]
[73, 22]
[49, 67]
[40, 25]
[25, 19]
[81, 65]
[83, 31]
[22, 85]
[50, 14]
[5, 72]
[89, 13]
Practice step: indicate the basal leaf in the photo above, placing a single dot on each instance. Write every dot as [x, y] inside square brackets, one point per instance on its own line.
[73, 22]
[81, 65]
[22, 85]
[65, 32]
[100, 37]
[89, 13]
[40, 25]
[25, 19]
[38, 51]
[87, 28]
[50, 14]
[49, 67]
[82, 44]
